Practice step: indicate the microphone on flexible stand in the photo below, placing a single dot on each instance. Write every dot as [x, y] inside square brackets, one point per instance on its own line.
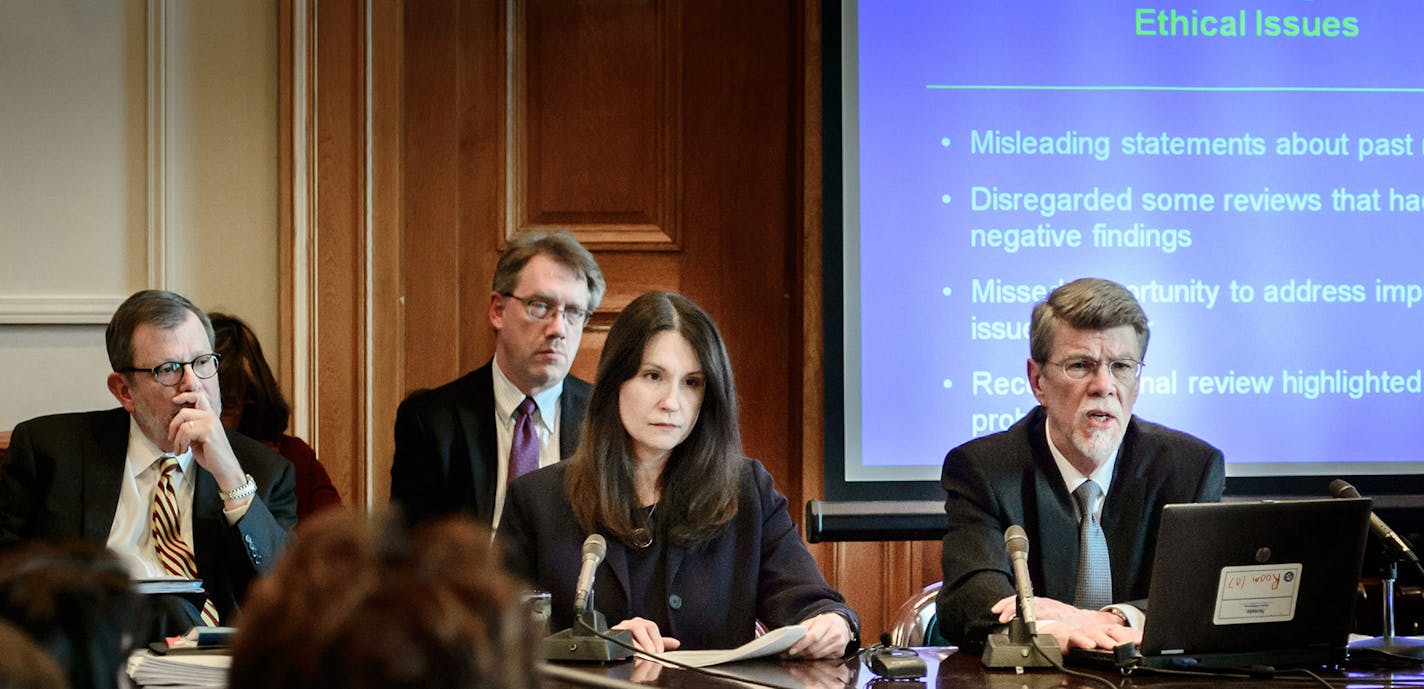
[585, 639]
[1395, 545]
[1397, 549]
[1021, 645]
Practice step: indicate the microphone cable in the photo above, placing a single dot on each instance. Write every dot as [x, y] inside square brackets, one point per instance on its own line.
[1059, 666]
[685, 666]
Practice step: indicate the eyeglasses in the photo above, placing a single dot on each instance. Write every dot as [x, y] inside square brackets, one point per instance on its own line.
[539, 309]
[1079, 368]
[170, 373]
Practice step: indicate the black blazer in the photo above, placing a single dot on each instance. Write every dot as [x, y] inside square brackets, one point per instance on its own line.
[1010, 478]
[60, 481]
[446, 458]
[758, 569]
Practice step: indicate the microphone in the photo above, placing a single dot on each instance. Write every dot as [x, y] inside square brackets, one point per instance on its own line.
[1393, 542]
[1016, 542]
[594, 548]
[1021, 645]
[589, 638]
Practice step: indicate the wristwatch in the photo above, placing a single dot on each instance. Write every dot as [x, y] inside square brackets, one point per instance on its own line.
[248, 488]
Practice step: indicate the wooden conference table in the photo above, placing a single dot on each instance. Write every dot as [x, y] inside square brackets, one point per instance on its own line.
[945, 669]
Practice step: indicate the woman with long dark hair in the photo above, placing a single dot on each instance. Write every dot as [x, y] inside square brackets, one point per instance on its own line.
[700, 544]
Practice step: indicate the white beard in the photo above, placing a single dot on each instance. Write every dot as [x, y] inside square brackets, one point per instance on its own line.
[1098, 446]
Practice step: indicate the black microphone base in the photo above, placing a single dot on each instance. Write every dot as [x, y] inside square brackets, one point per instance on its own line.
[585, 647]
[1393, 645]
[1001, 651]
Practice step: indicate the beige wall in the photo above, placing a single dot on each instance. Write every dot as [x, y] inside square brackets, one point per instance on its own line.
[138, 148]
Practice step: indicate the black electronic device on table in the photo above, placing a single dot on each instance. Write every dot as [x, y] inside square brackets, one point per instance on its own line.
[894, 662]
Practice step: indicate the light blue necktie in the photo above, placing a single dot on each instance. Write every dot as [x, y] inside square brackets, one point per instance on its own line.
[1093, 589]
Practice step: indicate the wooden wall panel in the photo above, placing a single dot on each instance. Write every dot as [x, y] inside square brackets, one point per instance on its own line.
[659, 132]
[740, 68]
[595, 120]
[338, 248]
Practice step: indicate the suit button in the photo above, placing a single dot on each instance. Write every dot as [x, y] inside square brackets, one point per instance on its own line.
[249, 540]
[675, 602]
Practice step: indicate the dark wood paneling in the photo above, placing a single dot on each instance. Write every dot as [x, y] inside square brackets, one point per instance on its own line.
[740, 70]
[439, 306]
[596, 126]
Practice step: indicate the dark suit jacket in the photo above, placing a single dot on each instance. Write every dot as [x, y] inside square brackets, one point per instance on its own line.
[60, 481]
[758, 569]
[1010, 478]
[446, 457]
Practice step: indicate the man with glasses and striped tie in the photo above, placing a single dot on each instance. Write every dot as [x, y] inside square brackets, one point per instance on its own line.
[159, 481]
[1084, 478]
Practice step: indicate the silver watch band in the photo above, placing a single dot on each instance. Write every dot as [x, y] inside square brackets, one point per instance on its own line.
[249, 487]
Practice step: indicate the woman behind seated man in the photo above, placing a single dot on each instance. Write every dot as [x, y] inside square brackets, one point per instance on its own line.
[361, 604]
[253, 405]
[700, 545]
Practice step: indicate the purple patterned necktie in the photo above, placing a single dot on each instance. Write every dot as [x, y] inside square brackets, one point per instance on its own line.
[524, 448]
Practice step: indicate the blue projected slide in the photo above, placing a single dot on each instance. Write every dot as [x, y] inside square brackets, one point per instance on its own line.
[1253, 171]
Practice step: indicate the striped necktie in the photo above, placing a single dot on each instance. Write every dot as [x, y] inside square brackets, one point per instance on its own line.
[168, 545]
[1093, 589]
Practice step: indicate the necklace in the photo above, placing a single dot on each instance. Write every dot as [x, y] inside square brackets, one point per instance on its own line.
[643, 535]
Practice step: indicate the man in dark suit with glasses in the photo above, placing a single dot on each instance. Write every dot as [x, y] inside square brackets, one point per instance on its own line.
[158, 481]
[459, 445]
[1084, 478]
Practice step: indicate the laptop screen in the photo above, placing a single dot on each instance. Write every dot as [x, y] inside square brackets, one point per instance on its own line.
[1256, 583]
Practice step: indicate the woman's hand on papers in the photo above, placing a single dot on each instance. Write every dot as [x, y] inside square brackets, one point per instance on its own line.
[827, 636]
[646, 635]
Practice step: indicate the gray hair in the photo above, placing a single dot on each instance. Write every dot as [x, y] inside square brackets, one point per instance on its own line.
[1086, 304]
[559, 245]
[166, 310]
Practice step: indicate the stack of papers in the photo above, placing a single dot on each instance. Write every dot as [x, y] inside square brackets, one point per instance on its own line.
[168, 585]
[770, 643]
[186, 670]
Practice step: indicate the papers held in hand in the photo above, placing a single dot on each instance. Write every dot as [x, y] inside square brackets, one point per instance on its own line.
[190, 590]
[165, 586]
[770, 643]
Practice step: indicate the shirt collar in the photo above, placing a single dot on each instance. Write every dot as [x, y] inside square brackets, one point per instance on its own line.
[507, 397]
[1074, 478]
[142, 453]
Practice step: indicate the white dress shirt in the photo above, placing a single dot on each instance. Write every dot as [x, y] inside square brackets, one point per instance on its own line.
[130, 535]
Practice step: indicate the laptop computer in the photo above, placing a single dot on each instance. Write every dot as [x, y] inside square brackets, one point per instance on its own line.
[1251, 584]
